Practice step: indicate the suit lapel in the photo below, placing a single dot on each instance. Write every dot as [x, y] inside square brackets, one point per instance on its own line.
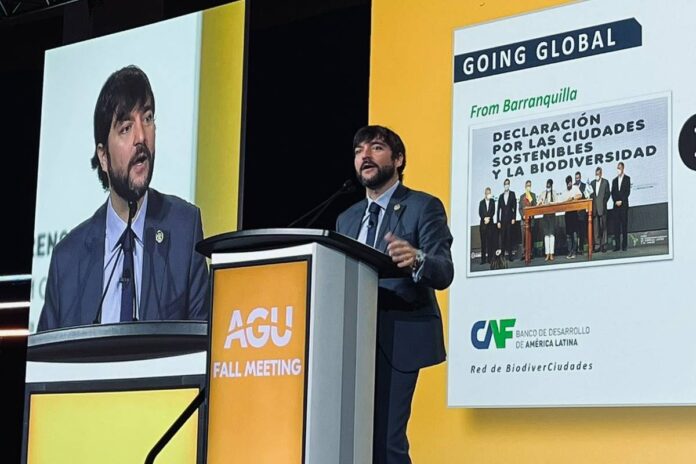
[392, 216]
[91, 268]
[355, 222]
[156, 242]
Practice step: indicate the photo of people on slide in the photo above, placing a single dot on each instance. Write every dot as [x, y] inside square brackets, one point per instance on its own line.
[573, 189]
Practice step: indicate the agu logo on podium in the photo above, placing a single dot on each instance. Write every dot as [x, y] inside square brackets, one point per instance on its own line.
[258, 329]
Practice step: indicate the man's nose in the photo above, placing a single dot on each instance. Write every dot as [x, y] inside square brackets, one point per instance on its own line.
[138, 132]
[364, 154]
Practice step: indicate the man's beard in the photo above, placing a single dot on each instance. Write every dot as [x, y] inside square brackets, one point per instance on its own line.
[122, 185]
[384, 174]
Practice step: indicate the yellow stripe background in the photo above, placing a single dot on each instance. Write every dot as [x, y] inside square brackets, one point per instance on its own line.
[220, 117]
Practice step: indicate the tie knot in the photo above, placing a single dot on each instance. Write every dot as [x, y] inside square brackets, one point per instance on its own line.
[374, 208]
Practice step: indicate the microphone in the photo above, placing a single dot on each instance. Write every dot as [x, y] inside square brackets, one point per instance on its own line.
[347, 187]
[132, 209]
[97, 317]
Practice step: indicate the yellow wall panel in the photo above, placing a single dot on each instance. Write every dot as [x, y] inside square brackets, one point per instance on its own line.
[109, 427]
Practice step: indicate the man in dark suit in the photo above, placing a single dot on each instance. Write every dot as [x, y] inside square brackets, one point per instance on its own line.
[507, 212]
[582, 215]
[620, 191]
[487, 230]
[102, 271]
[411, 227]
[600, 197]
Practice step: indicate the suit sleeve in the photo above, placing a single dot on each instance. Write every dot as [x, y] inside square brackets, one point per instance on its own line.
[514, 206]
[50, 313]
[482, 209]
[338, 224]
[628, 188]
[615, 191]
[435, 240]
[198, 277]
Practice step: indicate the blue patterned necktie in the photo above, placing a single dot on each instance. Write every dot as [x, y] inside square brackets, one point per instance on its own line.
[126, 284]
[372, 222]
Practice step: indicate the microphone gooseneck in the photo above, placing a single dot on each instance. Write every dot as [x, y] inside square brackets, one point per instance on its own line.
[347, 187]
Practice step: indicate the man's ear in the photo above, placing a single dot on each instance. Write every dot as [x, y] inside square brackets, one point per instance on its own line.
[399, 160]
[103, 159]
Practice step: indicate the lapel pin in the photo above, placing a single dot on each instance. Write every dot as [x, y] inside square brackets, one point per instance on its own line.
[397, 207]
[159, 236]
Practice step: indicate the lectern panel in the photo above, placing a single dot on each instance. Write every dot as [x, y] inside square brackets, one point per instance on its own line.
[257, 362]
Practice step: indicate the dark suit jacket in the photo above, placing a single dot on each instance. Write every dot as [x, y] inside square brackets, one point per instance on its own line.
[409, 329]
[622, 193]
[490, 212]
[600, 196]
[174, 280]
[507, 211]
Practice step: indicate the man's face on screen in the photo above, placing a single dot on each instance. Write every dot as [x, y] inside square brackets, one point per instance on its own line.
[374, 163]
[130, 156]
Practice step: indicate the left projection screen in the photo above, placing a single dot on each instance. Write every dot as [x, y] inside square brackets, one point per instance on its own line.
[90, 397]
[194, 64]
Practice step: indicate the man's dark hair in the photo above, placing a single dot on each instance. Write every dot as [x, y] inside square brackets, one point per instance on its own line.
[599, 169]
[577, 173]
[621, 164]
[125, 90]
[386, 135]
[569, 180]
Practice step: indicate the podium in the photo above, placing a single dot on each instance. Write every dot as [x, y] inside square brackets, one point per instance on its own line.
[292, 339]
[106, 393]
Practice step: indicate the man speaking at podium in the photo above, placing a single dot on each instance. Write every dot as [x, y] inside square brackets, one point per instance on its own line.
[134, 259]
[411, 227]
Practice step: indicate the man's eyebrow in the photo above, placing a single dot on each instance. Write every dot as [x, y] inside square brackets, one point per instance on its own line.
[370, 142]
[124, 116]
[120, 119]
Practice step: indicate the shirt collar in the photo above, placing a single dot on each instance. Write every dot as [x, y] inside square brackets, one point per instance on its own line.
[115, 225]
[383, 199]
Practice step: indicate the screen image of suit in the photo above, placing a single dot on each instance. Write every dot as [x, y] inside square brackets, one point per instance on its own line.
[409, 327]
[174, 276]
[600, 198]
[487, 232]
[582, 221]
[621, 193]
[507, 212]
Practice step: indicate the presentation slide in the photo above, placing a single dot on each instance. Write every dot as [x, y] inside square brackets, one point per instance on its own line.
[573, 148]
